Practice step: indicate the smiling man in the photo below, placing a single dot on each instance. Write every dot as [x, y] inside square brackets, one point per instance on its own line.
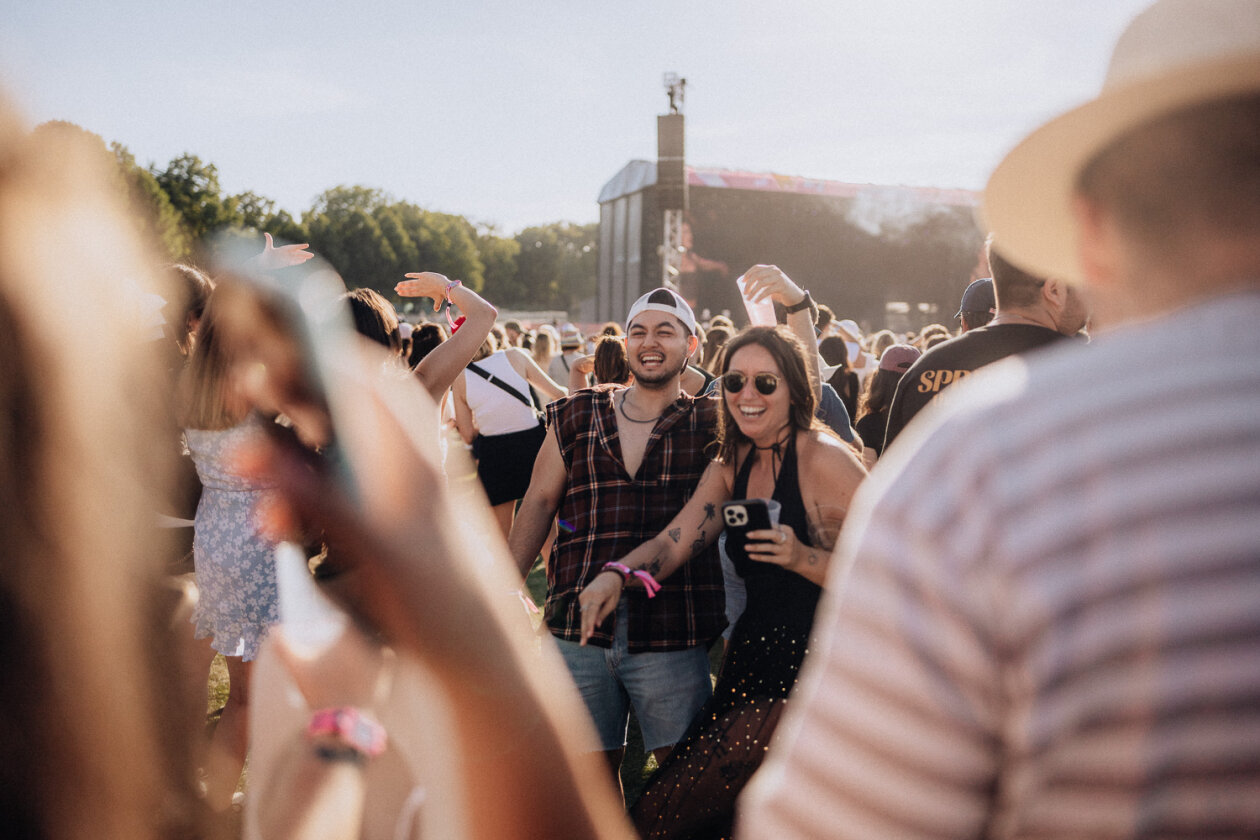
[617, 465]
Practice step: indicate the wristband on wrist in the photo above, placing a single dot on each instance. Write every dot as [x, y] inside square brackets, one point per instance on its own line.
[649, 583]
[803, 303]
[446, 296]
[450, 284]
[352, 727]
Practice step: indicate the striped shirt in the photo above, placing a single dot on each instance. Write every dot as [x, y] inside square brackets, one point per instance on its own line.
[1044, 618]
[605, 514]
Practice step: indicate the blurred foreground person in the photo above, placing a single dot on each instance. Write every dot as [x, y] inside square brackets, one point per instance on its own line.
[95, 716]
[1045, 615]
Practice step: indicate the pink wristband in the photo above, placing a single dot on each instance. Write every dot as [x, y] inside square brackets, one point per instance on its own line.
[450, 284]
[350, 726]
[649, 583]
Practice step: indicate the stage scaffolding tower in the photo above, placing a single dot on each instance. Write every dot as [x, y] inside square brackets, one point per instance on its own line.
[671, 180]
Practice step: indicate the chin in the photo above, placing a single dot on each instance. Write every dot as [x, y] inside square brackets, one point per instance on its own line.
[659, 377]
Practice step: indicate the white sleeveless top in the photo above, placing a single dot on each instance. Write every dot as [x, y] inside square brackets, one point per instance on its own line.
[496, 411]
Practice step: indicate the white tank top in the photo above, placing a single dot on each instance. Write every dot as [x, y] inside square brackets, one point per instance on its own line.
[496, 411]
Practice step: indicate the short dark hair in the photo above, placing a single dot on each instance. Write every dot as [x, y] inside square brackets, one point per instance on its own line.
[1012, 286]
[973, 318]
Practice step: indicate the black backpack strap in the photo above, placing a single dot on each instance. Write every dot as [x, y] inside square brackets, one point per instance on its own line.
[499, 383]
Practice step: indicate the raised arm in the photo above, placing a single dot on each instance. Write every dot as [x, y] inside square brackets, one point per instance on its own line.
[524, 364]
[440, 368]
[578, 372]
[693, 530]
[538, 508]
[769, 281]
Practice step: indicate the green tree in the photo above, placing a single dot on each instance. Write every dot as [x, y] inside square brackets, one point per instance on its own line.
[155, 217]
[557, 264]
[498, 256]
[193, 189]
[253, 210]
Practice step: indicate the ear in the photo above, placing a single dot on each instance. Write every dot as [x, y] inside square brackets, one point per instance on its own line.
[693, 341]
[1055, 293]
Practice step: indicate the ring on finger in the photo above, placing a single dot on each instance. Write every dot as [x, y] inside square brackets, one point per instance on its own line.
[782, 537]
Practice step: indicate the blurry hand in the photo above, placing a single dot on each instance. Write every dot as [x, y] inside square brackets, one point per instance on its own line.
[286, 255]
[352, 671]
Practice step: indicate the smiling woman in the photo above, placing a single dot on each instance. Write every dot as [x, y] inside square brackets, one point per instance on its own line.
[769, 446]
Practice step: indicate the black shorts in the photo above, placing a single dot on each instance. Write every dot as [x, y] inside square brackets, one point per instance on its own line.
[505, 462]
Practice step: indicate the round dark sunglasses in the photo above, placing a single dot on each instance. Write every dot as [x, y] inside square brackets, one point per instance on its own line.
[733, 381]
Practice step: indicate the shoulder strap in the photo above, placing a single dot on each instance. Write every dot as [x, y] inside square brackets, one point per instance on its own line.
[499, 383]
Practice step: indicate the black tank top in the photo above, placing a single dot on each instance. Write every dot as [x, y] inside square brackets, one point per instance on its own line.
[774, 593]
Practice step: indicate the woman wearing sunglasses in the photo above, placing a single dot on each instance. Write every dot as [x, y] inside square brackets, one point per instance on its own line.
[769, 446]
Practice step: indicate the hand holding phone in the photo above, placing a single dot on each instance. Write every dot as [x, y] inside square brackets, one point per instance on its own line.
[739, 518]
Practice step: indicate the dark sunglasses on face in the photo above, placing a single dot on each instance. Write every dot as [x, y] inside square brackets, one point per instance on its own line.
[733, 382]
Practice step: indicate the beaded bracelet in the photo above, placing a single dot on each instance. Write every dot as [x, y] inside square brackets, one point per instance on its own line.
[649, 583]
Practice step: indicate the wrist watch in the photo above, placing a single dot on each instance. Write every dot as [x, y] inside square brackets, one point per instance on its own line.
[804, 303]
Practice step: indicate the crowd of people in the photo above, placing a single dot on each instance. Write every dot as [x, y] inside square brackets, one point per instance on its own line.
[975, 581]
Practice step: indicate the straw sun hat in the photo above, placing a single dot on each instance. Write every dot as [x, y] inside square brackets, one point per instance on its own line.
[1175, 54]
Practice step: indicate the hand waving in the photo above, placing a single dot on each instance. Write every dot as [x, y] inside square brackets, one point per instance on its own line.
[272, 257]
[428, 284]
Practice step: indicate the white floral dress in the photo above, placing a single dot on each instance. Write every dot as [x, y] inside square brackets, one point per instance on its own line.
[236, 573]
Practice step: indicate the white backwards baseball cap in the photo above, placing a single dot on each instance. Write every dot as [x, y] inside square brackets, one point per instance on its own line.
[664, 300]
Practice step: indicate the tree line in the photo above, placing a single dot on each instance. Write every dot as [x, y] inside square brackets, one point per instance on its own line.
[370, 237]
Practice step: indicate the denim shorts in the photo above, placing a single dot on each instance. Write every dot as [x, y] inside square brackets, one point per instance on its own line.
[666, 689]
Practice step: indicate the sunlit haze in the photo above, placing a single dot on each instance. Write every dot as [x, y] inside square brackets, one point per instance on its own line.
[517, 113]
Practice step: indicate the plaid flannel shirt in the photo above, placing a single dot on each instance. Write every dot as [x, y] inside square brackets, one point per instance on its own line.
[605, 514]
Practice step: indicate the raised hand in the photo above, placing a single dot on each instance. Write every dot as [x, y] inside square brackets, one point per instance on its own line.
[428, 284]
[286, 255]
[769, 281]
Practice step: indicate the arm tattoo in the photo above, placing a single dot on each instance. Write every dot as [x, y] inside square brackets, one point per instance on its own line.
[675, 534]
[697, 545]
[654, 566]
[710, 511]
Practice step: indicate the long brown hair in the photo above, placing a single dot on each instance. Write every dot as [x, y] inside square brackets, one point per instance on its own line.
[789, 354]
[203, 387]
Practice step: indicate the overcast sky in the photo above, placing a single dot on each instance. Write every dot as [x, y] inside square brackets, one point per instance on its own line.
[517, 113]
